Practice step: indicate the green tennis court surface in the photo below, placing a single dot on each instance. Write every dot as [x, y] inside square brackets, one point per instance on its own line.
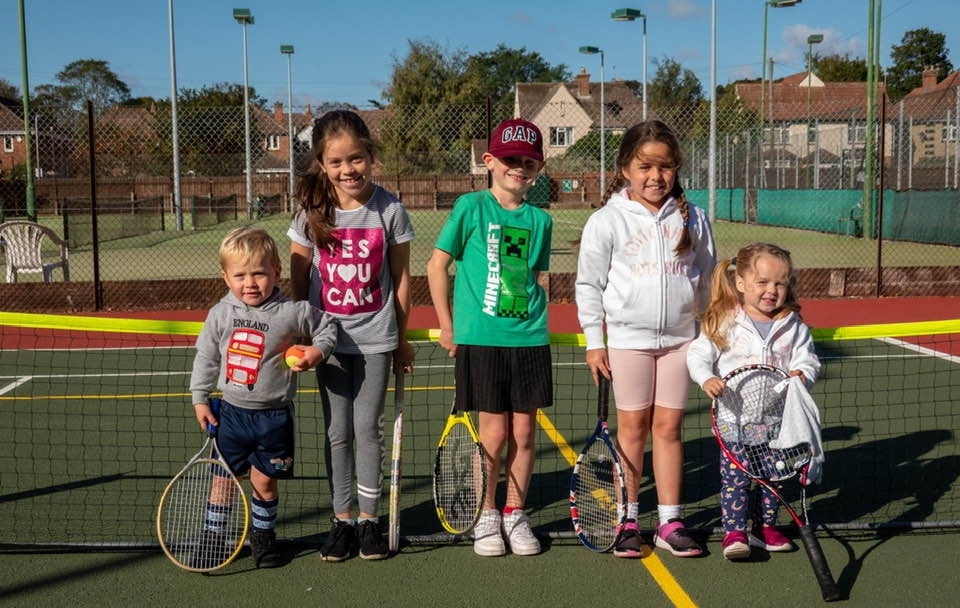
[96, 423]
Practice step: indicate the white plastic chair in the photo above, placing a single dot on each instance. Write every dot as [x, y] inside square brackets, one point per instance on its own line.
[23, 248]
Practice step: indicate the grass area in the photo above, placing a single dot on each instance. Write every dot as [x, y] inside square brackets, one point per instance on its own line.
[192, 253]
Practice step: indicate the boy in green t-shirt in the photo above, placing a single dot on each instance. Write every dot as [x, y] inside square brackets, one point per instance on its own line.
[497, 327]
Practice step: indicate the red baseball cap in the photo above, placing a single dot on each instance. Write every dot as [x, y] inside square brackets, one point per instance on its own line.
[516, 137]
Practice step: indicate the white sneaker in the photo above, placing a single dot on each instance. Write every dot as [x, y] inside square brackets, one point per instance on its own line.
[487, 540]
[516, 527]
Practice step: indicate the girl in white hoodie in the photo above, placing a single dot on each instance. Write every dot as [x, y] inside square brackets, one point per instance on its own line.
[643, 271]
[753, 317]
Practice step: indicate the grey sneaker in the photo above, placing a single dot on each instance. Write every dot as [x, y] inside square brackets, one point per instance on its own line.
[516, 527]
[487, 540]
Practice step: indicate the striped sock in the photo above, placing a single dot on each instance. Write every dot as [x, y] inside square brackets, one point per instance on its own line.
[217, 517]
[264, 513]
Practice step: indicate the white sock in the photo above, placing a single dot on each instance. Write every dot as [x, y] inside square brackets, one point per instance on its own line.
[667, 512]
[633, 510]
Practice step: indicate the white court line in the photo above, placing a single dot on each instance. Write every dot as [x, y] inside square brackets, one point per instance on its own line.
[921, 349]
[20, 380]
[99, 375]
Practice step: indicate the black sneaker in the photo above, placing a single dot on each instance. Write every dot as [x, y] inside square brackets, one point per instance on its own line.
[372, 543]
[341, 542]
[211, 551]
[263, 544]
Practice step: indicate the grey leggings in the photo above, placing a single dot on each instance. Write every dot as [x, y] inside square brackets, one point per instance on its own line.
[353, 397]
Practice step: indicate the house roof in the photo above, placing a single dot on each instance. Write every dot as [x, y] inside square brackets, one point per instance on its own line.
[788, 98]
[10, 121]
[931, 100]
[622, 104]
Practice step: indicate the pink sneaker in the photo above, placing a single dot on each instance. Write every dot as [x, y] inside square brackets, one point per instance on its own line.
[673, 537]
[628, 543]
[736, 546]
[769, 538]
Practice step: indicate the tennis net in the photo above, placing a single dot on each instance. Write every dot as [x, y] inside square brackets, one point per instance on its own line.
[97, 419]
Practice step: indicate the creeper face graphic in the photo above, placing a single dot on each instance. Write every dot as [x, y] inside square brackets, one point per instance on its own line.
[514, 253]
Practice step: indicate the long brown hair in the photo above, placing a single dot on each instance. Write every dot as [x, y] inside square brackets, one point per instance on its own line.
[724, 297]
[635, 138]
[316, 193]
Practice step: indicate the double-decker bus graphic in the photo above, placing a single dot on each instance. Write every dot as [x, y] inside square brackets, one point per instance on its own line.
[243, 356]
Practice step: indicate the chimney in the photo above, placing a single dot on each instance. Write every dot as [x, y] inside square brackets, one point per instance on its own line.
[583, 83]
[929, 77]
[278, 112]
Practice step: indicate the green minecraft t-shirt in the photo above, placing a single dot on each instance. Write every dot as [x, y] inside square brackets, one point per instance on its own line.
[496, 298]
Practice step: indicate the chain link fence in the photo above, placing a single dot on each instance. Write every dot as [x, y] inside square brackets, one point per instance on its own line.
[796, 181]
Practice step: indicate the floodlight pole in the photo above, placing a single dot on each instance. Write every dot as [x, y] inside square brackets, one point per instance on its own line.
[174, 133]
[287, 49]
[592, 50]
[244, 18]
[763, 67]
[27, 140]
[632, 14]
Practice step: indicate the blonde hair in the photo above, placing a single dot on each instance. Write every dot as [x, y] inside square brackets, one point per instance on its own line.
[637, 136]
[245, 242]
[724, 297]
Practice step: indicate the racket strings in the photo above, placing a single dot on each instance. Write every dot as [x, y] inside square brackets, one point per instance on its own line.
[596, 494]
[749, 415]
[202, 518]
[459, 482]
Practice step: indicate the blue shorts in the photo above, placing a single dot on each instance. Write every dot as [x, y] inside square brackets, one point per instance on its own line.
[260, 438]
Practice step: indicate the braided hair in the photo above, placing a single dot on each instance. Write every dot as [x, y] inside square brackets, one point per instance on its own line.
[634, 139]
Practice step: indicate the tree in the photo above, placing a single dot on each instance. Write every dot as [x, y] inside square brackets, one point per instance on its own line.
[493, 74]
[839, 68]
[9, 90]
[427, 75]
[211, 128]
[918, 50]
[82, 80]
[675, 93]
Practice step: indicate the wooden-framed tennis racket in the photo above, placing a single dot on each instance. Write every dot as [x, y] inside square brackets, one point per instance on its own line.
[598, 487]
[459, 474]
[203, 514]
[396, 462]
[746, 417]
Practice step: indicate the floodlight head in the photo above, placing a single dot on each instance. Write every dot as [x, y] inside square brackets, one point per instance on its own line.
[243, 16]
[286, 49]
[627, 14]
[783, 3]
[590, 50]
[814, 38]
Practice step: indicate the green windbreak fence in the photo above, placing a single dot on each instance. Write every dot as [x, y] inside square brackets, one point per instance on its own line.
[916, 216]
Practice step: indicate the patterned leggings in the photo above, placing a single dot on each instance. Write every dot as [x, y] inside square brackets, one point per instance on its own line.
[737, 498]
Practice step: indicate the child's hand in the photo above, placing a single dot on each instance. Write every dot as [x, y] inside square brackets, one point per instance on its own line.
[796, 372]
[713, 387]
[403, 357]
[599, 364]
[446, 342]
[311, 357]
[204, 415]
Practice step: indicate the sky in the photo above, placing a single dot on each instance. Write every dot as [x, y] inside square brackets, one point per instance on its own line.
[345, 52]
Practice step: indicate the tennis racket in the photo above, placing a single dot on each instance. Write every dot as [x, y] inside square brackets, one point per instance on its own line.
[746, 418]
[203, 515]
[459, 474]
[396, 460]
[598, 488]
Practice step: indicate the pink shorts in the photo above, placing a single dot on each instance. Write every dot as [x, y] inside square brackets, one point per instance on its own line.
[642, 378]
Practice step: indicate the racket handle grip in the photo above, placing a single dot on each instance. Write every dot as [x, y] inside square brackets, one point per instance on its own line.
[828, 587]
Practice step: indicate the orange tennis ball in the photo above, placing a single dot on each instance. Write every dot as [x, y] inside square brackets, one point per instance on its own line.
[293, 354]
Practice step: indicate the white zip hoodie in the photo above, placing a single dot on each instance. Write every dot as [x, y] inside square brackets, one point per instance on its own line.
[629, 276]
[789, 346]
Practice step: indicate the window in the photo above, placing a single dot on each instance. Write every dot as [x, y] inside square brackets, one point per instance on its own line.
[8, 144]
[948, 133]
[777, 135]
[857, 134]
[273, 142]
[561, 136]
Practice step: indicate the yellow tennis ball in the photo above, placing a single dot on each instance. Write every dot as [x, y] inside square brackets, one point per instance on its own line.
[293, 354]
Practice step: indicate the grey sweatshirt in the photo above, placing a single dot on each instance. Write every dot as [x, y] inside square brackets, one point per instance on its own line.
[240, 349]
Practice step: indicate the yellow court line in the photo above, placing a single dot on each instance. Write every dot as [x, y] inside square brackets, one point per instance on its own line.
[671, 588]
